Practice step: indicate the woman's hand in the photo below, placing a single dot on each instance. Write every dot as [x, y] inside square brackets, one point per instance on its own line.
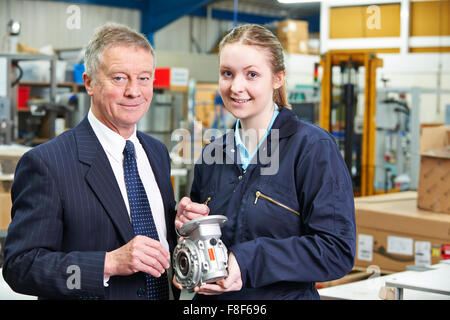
[233, 282]
[188, 210]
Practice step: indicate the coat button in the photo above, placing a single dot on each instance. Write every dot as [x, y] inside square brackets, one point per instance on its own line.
[141, 292]
[240, 177]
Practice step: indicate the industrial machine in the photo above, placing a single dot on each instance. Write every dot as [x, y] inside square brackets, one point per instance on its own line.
[164, 115]
[43, 112]
[398, 127]
[305, 99]
[392, 142]
[201, 257]
[351, 120]
[10, 74]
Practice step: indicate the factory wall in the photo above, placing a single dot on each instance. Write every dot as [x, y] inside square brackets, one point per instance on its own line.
[191, 34]
[55, 23]
[51, 23]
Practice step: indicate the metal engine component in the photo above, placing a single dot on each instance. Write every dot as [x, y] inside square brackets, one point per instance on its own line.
[201, 257]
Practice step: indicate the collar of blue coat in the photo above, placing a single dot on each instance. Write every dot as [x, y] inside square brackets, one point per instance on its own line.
[286, 122]
[245, 156]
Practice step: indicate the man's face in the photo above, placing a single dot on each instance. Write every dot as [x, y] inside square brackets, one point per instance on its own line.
[123, 88]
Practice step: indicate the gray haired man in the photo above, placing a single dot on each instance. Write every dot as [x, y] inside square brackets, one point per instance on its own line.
[92, 217]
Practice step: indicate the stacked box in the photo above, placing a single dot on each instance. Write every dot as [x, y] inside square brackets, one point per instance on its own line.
[434, 178]
[9, 156]
[2, 256]
[392, 232]
[293, 36]
[5, 210]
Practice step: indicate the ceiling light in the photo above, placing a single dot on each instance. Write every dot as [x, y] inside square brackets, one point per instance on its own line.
[298, 1]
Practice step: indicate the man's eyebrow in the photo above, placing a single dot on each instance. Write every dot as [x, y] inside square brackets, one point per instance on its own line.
[113, 71]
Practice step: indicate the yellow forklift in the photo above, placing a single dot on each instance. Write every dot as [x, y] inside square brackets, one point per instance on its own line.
[339, 107]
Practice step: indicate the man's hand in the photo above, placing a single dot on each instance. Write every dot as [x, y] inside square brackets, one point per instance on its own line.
[140, 254]
[188, 210]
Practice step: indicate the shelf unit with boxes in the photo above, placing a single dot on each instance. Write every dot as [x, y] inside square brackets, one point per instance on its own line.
[398, 230]
[35, 128]
[393, 233]
[14, 95]
[9, 67]
[293, 36]
[9, 156]
[381, 26]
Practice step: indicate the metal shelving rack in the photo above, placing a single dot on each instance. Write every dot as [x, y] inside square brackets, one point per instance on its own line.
[8, 96]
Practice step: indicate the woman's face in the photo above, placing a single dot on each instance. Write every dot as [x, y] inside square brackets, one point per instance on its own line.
[246, 81]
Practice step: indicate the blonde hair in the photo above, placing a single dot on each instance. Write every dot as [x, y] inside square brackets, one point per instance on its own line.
[110, 35]
[257, 35]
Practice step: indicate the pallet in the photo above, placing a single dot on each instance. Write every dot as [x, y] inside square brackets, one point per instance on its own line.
[356, 274]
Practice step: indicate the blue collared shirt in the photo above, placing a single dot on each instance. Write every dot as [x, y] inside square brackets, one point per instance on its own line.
[243, 152]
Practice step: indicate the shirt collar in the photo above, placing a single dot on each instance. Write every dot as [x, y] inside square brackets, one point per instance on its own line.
[237, 136]
[112, 142]
[286, 122]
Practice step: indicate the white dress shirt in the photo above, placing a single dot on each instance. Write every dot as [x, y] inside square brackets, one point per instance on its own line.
[113, 144]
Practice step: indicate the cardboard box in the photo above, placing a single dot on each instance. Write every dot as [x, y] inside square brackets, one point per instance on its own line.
[293, 29]
[5, 210]
[434, 178]
[9, 156]
[2, 256]
[6, 183]
[392, 232]
[293, 35]
[295, 46]
[8, 163]
[205, 94]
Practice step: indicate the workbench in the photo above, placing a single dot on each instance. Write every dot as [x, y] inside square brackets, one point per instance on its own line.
[432, 284]
[436, 281]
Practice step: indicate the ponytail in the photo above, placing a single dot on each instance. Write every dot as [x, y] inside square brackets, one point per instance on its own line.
[280, 97]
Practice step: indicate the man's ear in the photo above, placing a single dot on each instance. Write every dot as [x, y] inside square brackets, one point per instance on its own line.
[88, 84]
[279, 79]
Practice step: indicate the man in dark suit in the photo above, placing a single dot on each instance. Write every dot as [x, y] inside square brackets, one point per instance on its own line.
[78, 229]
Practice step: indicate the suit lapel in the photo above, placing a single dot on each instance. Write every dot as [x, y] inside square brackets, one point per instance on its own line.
[101, 179]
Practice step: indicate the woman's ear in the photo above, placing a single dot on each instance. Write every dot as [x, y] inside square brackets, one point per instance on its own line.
[279, 79]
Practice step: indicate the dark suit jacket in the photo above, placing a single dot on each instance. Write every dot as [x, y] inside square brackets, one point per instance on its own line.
[68, 211]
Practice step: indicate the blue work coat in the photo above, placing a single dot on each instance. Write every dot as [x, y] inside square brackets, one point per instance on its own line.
[291, 216]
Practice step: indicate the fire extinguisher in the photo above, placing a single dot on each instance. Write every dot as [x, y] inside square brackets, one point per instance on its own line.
[445, 251]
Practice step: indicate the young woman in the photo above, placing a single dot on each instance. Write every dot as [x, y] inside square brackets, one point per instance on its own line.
[281, 182]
